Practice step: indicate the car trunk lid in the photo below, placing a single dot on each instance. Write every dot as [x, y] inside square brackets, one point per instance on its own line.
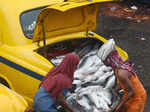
[66, 17]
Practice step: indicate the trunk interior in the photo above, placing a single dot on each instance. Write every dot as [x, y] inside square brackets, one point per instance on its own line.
[81, 46]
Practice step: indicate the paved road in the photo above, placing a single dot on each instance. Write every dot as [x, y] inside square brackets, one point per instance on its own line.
[134, 38]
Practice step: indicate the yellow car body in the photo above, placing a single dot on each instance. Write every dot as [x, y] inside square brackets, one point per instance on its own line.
[21, 67]
[11, 101]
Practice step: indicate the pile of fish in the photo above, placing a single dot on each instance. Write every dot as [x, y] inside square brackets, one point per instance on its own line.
[95, 83]
[88, 47]
[93, 99]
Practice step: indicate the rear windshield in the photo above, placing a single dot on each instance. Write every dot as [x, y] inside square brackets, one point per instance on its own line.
[28, 21]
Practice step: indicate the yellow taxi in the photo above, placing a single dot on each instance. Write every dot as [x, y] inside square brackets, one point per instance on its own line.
[34, 32]
[11, 101]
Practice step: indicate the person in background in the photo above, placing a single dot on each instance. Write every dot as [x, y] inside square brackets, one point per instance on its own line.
[55, 85]
[134, 96]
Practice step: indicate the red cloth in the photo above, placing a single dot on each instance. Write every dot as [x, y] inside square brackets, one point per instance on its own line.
[115, 61]
[61, 77]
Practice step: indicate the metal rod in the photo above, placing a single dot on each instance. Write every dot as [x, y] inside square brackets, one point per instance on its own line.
[44, 40]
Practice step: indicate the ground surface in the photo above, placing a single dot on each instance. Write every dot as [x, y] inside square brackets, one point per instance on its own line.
[132, 35]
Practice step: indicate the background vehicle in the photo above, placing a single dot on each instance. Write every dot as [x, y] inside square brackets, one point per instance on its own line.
[32, 31]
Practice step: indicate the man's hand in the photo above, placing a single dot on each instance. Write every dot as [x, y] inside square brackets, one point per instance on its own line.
[62, 101]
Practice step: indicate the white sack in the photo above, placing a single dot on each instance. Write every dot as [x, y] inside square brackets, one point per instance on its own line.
[106, 49]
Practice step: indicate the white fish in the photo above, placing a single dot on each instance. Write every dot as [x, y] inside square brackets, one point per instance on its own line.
[91, 53]
[105, 107]
[84, 102]
[90, 78]
[98, 101]
[94, 98]
[103, 78]
[96, 60]
[78, 89]
[99, 73]
[103, 94]
[90, 63]
[79, 75]
[85, 75]
[106, 96]
[56, 61]
[111, 82]
[104, 68]
[72, 101]
[77, 82]
[86, 70]
[82, 91]
[89, 90]
[114, 102]
[60, 57]
[115, 99]
[95, 109]
[86, 62]
[70, 97]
